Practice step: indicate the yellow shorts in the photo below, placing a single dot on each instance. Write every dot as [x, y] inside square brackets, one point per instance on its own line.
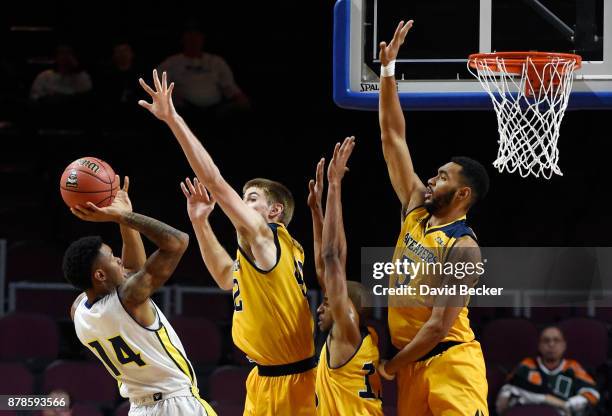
[453, 383]
[292, 395]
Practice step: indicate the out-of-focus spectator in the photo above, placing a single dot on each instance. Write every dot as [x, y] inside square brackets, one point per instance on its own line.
[118, 82]
[58, 411]
[118, 89]
[550, 379]
[66, 80]
[203, 81]
[60, 96]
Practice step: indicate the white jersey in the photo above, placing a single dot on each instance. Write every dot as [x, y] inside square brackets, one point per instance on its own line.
[144, 361]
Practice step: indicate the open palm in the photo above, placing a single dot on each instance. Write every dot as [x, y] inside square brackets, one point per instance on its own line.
[199, 203]
[162, 106]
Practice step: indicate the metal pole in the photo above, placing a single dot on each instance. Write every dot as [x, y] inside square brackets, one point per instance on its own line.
[552, 18]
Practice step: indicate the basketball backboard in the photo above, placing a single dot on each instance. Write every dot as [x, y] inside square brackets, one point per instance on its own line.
[432, 65]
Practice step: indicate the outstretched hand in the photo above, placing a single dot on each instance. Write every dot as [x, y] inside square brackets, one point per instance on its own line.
[199, 203]
[389, 52]
[162, 106]
[337, 166]
[315, 189]
[121, 205]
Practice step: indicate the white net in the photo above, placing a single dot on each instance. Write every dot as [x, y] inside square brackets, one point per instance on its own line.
[530, 99]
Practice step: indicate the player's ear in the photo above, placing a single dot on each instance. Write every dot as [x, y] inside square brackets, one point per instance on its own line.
[464, 193]
[99, 275]
[276, 209]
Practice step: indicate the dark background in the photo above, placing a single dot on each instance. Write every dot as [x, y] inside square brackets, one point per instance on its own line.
[281, 55]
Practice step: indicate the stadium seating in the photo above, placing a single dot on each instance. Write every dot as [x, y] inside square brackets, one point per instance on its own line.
[532, 410]
[495, 379]
[85, 381]
[549, 315]
[16, 379]
[21, 335]
[228, 409]
[507, 341]
[123, 409]
[587, 341]
[227, 385]
[200, 338]
[33, 260]
[215, 306]
[80, 409]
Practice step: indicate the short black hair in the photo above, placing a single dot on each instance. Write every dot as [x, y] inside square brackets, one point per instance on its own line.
[475, 176]
[79, 259]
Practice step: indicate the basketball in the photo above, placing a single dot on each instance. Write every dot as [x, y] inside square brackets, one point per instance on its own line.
[88, 179]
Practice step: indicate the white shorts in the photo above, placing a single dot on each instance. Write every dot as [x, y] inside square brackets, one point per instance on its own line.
[183, 405]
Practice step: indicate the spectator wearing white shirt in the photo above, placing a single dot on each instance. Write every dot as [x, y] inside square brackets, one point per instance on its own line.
[203, 81]
[65, 80]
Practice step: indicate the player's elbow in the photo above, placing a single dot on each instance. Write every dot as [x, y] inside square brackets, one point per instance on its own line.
[179, 243]
[183, 241]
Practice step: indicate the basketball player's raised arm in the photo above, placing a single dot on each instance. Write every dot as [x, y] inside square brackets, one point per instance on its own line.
[133, 255]
[407, 185]
[315, 195]
[346, 320]
[199, 206]
[249, 224]
[446, 309]
[158, 268]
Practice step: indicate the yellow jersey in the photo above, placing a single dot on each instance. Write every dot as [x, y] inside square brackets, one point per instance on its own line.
[353, 388]
[419, 243]
[272, 323]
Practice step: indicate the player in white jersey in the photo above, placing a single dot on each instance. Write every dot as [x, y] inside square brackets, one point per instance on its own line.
[118, 321]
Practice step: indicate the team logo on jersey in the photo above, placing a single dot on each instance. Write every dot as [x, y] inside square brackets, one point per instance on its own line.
[439, 241]
[236, 266]
[157, 397]
[72, 181]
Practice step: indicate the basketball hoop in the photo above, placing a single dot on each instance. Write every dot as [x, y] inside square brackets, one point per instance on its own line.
[530, 92]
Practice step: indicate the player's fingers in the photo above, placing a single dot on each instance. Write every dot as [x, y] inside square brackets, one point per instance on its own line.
[199, 185]
[399, 28]
[170, 89]
[156, 81]
[145, 104]
[406, 28]
[77, 213]
[78, 209]
[146, 87]
[185, 191]
[190, 186]
[164, 81]
[201, 189]
[336, 150]
[126, 183]
[311, 185]
[348, 149]
[92, 208]
[320, 167]
[211, 198]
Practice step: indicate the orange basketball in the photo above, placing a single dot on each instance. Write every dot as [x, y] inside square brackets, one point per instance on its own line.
[88, 179]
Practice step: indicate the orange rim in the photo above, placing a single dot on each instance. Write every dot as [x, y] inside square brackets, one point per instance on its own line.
[514, 61]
